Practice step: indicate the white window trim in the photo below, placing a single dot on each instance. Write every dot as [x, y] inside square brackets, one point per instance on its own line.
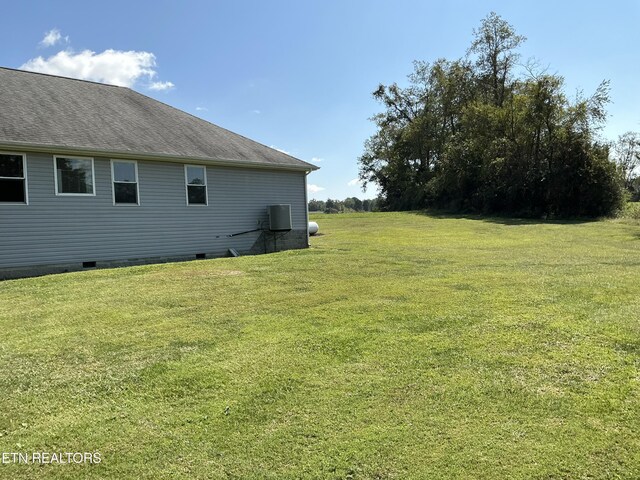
[113, 183]
[186, 187]
[55, 176]
[24, 178]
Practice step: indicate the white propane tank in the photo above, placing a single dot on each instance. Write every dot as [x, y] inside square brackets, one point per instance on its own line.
[313, 228]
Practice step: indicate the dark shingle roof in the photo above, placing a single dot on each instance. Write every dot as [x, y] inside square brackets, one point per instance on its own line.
[38, 110]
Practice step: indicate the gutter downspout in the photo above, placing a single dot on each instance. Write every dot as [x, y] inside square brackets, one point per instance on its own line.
[306, 206]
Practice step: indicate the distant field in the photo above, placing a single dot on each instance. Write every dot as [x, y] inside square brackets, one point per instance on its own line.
[399, 346]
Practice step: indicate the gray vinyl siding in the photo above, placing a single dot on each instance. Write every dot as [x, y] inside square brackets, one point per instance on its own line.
[55, 229]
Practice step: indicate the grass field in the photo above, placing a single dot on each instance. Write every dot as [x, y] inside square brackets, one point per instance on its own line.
[398, 346]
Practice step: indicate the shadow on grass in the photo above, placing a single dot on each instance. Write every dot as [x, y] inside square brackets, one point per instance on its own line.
[502, 220]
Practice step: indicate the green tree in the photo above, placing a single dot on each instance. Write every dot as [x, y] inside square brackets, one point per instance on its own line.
[333, 206]
[627, 155]
[495, 46]
[352, 203]
[471, 134]
[317, 205]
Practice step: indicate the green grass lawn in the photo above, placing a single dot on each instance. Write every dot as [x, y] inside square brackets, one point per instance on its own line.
[399, 346]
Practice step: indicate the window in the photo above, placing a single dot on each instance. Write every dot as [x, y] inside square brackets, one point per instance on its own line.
[13, 178]
[196, 177]
[124, 174]
[74, 176]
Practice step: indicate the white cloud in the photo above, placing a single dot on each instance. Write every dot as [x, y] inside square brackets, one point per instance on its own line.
[317, 160]
[257, 112]
[52, 37]
[202, 109]
[314, 188]
[161, 86]
[114, 67]
[279, 149]
[355, 182]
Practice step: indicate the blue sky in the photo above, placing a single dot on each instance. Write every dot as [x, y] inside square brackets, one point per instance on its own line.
[298, 75]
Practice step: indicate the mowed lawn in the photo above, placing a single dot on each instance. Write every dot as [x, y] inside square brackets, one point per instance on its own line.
[399, 346]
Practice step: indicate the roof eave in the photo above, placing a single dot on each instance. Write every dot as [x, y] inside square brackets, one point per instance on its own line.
[62, 149]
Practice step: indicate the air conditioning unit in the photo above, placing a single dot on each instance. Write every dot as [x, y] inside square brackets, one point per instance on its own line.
[279, 217]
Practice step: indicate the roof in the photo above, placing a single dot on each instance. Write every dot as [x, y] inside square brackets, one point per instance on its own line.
[65, 115]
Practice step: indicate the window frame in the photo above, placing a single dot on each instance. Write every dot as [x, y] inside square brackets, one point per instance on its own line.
[113, 183]
[187, 185]
[24, 178]
[55, 176]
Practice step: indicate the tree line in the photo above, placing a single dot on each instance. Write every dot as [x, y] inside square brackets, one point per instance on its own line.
[489, 134]
[626, 154]
[349, 204]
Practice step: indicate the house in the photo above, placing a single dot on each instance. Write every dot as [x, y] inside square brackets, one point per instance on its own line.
[97, 175]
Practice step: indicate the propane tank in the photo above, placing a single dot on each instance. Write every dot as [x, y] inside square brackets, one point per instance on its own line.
[313, 228]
